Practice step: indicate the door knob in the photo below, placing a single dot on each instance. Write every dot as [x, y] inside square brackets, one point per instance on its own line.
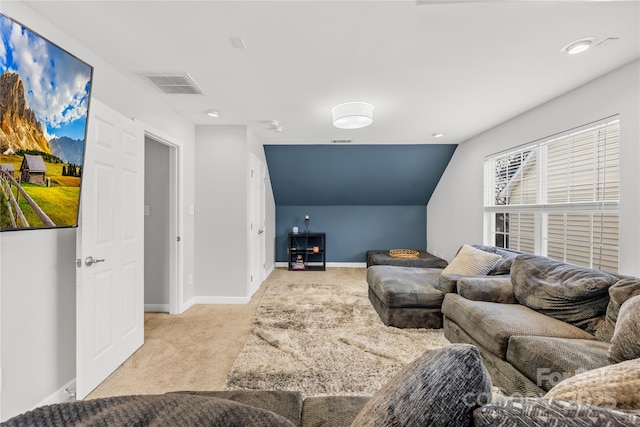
[89, 261]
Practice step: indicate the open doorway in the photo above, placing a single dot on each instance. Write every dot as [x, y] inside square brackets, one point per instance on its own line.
[160, 226]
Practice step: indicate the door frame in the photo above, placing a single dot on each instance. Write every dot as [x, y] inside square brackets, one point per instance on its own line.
[261, 169]
[176, 221]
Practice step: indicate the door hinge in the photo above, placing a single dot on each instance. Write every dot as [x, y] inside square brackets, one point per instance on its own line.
[178, 239]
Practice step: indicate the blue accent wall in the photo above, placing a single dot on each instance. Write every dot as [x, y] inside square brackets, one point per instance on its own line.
[352, 230]
[363, 196]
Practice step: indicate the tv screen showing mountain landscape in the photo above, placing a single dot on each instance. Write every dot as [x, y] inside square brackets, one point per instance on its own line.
[44, 105]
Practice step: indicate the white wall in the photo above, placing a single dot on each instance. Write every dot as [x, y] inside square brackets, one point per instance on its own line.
[256, 147]
[38, 316]
[221, 212]
[222, 172]
[37, 279]
[455, 210]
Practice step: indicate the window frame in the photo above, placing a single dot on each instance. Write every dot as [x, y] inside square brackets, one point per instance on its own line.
[542, 209]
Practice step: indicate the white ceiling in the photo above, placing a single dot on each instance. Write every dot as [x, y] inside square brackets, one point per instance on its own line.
[457, 68]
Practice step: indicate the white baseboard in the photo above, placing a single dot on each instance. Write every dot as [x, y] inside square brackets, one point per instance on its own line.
[187, 305]
[347, 264]
[156, 308]
[222, 300]
[60, 395]
[332, 264]
[270, 270]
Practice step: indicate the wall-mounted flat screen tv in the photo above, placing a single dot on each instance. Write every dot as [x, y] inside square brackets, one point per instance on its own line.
[44, 106]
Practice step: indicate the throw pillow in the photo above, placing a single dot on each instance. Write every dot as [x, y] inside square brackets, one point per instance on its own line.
[529, 411]
[614, 386]
[472, 262]
[440, 388]
[572, 294]
[618, 294]
[625, 343]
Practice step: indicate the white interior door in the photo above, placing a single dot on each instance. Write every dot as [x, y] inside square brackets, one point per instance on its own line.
[257, 223]
[109, 298]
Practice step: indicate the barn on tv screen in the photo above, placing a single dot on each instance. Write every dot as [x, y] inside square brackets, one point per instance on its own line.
[44, 105]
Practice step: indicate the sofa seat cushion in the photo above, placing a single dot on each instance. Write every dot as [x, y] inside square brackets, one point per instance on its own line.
[405, 286]
[334, 411]
[150, 410]
[424, 260]
[573, 294]
[547, 361]
[492, 324]
[285, 403]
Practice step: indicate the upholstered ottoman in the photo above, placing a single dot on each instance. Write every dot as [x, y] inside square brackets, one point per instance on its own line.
[424, 260]
[406, 297]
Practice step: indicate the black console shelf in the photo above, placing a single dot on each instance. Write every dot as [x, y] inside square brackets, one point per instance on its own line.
[307, 251]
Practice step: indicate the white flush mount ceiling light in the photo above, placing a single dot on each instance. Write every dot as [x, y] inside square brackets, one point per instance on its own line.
[352, 115]
[579, 46]
[437, 135]
[213, 113]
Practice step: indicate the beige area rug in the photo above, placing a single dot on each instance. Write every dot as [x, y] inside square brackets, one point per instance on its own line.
[324, 339]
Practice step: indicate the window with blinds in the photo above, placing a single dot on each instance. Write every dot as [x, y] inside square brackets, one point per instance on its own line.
[558, 197]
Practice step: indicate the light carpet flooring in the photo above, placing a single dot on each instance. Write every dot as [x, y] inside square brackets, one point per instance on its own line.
[196, 349]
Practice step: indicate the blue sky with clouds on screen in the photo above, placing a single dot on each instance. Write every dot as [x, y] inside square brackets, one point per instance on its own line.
[56, 83]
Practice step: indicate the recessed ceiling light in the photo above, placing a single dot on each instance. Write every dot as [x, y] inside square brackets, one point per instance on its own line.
[213, 113]
[578, 46]
[437, 135]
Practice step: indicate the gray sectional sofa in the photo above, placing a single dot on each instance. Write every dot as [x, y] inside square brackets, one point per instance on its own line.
[547, 322]
[444, 387]
[411, 297]
[562, 340]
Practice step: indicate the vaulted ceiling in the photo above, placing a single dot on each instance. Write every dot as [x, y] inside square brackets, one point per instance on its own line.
[370, 175]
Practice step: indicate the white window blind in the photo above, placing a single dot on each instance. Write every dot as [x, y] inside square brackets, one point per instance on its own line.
[559, 196]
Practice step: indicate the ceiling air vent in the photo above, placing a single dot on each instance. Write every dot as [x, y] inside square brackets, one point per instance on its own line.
[174, 84]
[341, 141]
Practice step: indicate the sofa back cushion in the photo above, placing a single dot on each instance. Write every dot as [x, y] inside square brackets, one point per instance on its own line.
[625, 343]
[618, 294]
[572, 294]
